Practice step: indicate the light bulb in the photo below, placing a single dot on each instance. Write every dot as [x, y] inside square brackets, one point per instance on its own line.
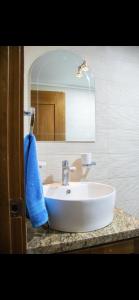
[84, 66]
[79, 74]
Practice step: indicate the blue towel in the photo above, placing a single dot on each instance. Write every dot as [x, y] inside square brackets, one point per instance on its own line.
[35, 201]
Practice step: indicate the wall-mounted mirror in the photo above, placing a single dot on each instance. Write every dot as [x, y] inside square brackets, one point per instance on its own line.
[62, 90]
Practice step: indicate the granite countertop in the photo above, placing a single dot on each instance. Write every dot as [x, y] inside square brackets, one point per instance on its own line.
[48, 241]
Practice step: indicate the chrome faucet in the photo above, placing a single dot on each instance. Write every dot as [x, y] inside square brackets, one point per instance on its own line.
[66, 169]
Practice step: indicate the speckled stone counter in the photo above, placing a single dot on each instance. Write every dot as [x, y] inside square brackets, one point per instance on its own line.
[47, 241]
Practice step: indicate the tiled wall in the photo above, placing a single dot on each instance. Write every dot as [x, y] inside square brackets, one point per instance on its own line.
[116, 150]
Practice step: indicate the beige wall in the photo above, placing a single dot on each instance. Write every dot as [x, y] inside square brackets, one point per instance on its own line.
[116, 150]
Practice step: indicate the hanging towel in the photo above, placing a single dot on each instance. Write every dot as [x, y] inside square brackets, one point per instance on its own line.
[35, 201]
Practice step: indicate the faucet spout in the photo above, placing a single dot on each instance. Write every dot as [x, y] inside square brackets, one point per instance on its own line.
[66, 169]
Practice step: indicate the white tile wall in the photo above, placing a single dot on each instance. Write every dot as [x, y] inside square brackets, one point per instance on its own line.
[116, 150]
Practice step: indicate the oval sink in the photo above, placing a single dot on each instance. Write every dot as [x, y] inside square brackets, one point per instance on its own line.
[80, 207]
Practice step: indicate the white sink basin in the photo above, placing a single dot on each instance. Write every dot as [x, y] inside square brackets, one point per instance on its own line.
[89, 206]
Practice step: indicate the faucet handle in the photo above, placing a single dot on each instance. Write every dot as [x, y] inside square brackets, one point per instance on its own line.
[65, 164]
[72, 169]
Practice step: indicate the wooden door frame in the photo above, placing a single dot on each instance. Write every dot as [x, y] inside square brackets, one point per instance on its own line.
[12, 203]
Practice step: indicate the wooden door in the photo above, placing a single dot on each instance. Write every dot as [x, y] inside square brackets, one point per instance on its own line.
[44, 128]
[50, 115]
[12, 204]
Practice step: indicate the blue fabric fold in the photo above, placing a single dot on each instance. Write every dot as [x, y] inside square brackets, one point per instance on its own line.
[35, 201]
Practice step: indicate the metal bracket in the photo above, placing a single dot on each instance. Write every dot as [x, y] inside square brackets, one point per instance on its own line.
[93, 163]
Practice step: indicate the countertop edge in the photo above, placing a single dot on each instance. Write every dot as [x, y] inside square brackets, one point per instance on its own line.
[82, 244]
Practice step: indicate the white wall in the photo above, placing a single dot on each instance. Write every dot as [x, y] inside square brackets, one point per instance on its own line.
[80, 115]
[79, 110]
[116, 150]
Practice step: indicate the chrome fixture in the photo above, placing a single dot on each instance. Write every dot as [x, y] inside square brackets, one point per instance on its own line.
[27, 113]
[82, 68]
[86, 160]
[68, 191]
[66, 169]
[93, 163]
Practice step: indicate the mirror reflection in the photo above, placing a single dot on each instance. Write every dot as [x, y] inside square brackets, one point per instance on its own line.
[62, 90]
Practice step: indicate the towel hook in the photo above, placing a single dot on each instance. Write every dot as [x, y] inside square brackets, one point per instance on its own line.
[32, 120]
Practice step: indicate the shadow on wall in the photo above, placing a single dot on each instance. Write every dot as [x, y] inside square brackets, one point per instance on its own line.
[48, 180]
[78, 175]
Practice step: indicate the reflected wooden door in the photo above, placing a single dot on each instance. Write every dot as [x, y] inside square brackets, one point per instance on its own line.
[44, 128]
[50, 115]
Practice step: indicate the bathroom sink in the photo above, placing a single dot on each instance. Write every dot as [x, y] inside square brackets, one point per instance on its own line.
[80, 206]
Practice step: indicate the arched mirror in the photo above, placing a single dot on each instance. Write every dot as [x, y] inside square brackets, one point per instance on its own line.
[62, 90]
